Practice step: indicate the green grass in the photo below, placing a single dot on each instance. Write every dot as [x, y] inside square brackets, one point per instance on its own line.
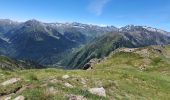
[125, 83]
[119, 74]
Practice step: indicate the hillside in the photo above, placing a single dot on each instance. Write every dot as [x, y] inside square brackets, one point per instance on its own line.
[6, 25]
[132, 37]
[3, 46]
[71, 45]
[44, 43]
[7, 63]
[127, 73]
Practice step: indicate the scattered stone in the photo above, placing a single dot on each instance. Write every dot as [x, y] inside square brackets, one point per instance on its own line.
[142, 67]
[21, 89]
[128, 49]
[98, 91]
[20, 98]
[65, 76]
[83, 81]
[77, 97]
[55, 80]
[51, 90]
[11, 81]
[68, 85]
[98, 84]
[8, 98]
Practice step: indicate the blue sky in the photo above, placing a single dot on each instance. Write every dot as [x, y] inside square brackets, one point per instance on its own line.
[155, 13]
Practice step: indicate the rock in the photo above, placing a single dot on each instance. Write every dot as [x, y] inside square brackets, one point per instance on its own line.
[8, 98]
[98, 91]
[20, 98]
[77, 97]
[98, 84]
[11, 81]
[127, 49]
[54, 81]
[91, 63]
[87, 66]
[68, 85]
[51, 90]
[83, 81]
[65, 76]
[142, 67]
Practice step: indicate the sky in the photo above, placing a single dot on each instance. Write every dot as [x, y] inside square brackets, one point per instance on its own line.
[154, 13]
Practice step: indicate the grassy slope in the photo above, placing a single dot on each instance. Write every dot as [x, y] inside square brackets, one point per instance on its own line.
[102, 46]
[11, 64]
[120, 74]
[98, 48]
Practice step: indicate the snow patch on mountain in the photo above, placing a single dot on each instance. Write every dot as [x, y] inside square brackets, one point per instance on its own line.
[5, 39]
[156, 30]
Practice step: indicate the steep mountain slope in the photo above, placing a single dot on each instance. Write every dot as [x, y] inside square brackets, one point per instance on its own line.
[38, 42]
[133, 28]
[86, 29]
[76, 36]
[6, 25]
[136, 36]
[127, 73]
[3, 46]
[63, 43]
[11, 64]
[45, 43]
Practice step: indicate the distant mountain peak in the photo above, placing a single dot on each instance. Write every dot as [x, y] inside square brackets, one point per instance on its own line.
[155, 30]
[129, 27]
[5, 20]
[33, 22]
[137, 27]
[8, 21]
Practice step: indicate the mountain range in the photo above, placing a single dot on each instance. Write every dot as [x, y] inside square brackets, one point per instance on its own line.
[130, 62]
[71, 45]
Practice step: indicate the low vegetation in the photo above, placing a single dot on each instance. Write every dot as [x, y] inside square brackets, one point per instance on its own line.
[141, 73]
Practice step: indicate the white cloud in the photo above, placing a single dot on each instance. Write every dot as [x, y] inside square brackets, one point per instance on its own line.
[97, 6]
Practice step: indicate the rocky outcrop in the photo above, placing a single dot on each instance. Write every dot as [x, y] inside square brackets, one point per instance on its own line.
[65, 76]
[10, 81]
[98, 91]
[20, 98]
[68, 85]
[91, 63]
[76, 97]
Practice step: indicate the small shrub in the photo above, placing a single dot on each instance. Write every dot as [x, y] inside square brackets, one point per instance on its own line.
[33, 77]
[156, 61]
[38, 94]
[124, 75]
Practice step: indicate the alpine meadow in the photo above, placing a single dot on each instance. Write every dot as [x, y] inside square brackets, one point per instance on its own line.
[84, 50]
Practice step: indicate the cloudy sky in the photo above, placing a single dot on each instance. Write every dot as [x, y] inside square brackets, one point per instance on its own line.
[155, 13]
